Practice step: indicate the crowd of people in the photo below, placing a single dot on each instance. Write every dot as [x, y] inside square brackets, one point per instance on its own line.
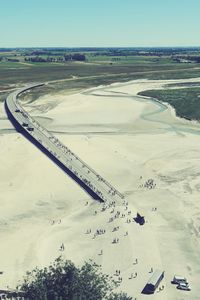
[119, 216]
[148, 184]
[86, 174]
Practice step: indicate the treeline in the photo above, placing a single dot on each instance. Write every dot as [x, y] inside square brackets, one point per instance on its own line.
[2, 58]
[76, 56]
[43, 52]
[68, 57]
[6, 49]
[194, 58]
[187, 58]
[42, 59]
[132, 53]
[144, 51]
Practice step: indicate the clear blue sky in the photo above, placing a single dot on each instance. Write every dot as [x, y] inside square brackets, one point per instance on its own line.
[100, 23]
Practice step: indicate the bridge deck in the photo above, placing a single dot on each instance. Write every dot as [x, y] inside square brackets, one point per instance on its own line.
[88, 178]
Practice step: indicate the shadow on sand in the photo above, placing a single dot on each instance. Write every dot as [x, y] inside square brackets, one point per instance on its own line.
[146, 291]
[20, 129]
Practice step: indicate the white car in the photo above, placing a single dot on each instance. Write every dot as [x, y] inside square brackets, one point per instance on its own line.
[179, 279]
[184, 286]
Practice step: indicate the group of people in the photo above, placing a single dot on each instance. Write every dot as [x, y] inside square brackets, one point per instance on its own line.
[53, 222]
[115, 241]
[133, 275]
[115, 229]
[115, 213]
[149, 184]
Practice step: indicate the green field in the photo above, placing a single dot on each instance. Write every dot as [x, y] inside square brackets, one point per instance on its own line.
[114, 65]
[14, 73]
[186, 101]
[101, 67]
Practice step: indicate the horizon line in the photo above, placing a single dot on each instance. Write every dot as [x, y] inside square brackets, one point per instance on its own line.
[101, 47]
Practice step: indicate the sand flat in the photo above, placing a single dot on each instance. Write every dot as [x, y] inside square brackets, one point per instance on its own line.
[128, 140]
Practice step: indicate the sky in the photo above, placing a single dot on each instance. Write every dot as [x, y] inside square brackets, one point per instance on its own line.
[99, 23]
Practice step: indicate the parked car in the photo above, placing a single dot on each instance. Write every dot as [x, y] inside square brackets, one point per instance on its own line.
[178, 279]
[184, 286]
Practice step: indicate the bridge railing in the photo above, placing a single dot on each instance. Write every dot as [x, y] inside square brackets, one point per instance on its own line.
[62, 147]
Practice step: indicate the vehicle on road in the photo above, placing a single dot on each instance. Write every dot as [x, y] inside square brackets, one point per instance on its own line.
[30, 129]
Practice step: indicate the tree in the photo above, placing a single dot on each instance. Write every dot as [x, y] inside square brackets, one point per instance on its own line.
[120, 296]
[67, 57]
[79, 57]
[63, 280]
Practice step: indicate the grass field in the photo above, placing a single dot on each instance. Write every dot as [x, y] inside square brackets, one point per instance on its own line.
[15, 73]
[186, 101]
[97, 70]
[129, 59]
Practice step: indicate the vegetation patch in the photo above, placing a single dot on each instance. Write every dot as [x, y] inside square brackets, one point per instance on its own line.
[63, 280]
[186, 101]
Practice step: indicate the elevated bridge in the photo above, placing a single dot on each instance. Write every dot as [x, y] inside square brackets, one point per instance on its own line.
[87, 178]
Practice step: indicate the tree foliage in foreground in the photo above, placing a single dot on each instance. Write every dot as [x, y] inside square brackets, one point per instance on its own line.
[64, 281]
